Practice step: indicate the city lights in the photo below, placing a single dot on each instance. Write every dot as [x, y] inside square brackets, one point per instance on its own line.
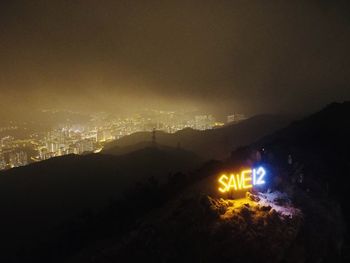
[92, 134]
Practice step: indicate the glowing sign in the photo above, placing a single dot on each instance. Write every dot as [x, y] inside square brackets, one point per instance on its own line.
[245, 180]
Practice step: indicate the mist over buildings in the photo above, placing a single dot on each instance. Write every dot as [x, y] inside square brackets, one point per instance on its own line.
[217, 56]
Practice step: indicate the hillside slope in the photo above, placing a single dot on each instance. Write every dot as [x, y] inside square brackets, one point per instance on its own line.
[318, 147]
[209, 144]
[37, 197]
[298, 220]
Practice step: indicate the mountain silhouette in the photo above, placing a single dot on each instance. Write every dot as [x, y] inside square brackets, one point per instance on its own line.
[209, 144]
[302, 221]
[319, 145]
[37, 197]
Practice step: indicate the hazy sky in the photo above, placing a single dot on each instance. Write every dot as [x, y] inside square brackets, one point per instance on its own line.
[221, 56]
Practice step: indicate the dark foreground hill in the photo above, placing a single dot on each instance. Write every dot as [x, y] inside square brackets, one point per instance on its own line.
[319, 149]
[38, 197]
[299, 219]
[209, 144]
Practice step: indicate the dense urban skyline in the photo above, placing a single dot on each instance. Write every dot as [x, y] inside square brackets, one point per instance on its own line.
[70, 132]
[219, 57]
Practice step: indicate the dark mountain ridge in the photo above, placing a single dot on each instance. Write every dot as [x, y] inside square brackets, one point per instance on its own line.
[209, 144]
[37, 197]
[197, 225]
[319, 145]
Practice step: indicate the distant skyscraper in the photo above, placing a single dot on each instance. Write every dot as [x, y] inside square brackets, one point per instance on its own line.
[236, 117]
[87, 145]
[22, 158]
[43, 153]
[204, 122]
[17, 159]
[2, 162]
[154, 142]
[6, 141]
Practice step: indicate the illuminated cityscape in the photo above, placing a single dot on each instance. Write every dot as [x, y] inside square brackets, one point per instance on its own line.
[90, 136]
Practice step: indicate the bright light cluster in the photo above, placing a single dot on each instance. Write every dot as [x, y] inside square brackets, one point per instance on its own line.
[245, 180]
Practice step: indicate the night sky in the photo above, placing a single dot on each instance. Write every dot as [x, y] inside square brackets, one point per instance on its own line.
[218, 56]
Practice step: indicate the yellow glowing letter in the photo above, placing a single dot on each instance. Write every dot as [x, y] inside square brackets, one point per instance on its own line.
[232, 183]
[222, 180]
[245, 178]
[240, 179]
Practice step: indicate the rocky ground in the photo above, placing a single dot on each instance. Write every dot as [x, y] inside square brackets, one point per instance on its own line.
[201, 228]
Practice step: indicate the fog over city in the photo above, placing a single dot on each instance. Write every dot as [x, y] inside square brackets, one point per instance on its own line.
[217, 57]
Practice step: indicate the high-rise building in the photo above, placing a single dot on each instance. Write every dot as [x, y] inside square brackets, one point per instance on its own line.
[17, 159]
[204, 122]
[6, 141]
[43, 153]
[22, 158]
[235, 117]
[84, 146]
[2, 162]
[52, 147]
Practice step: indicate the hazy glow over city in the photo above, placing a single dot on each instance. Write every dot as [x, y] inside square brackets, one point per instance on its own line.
[90, 135]
[195, 65]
